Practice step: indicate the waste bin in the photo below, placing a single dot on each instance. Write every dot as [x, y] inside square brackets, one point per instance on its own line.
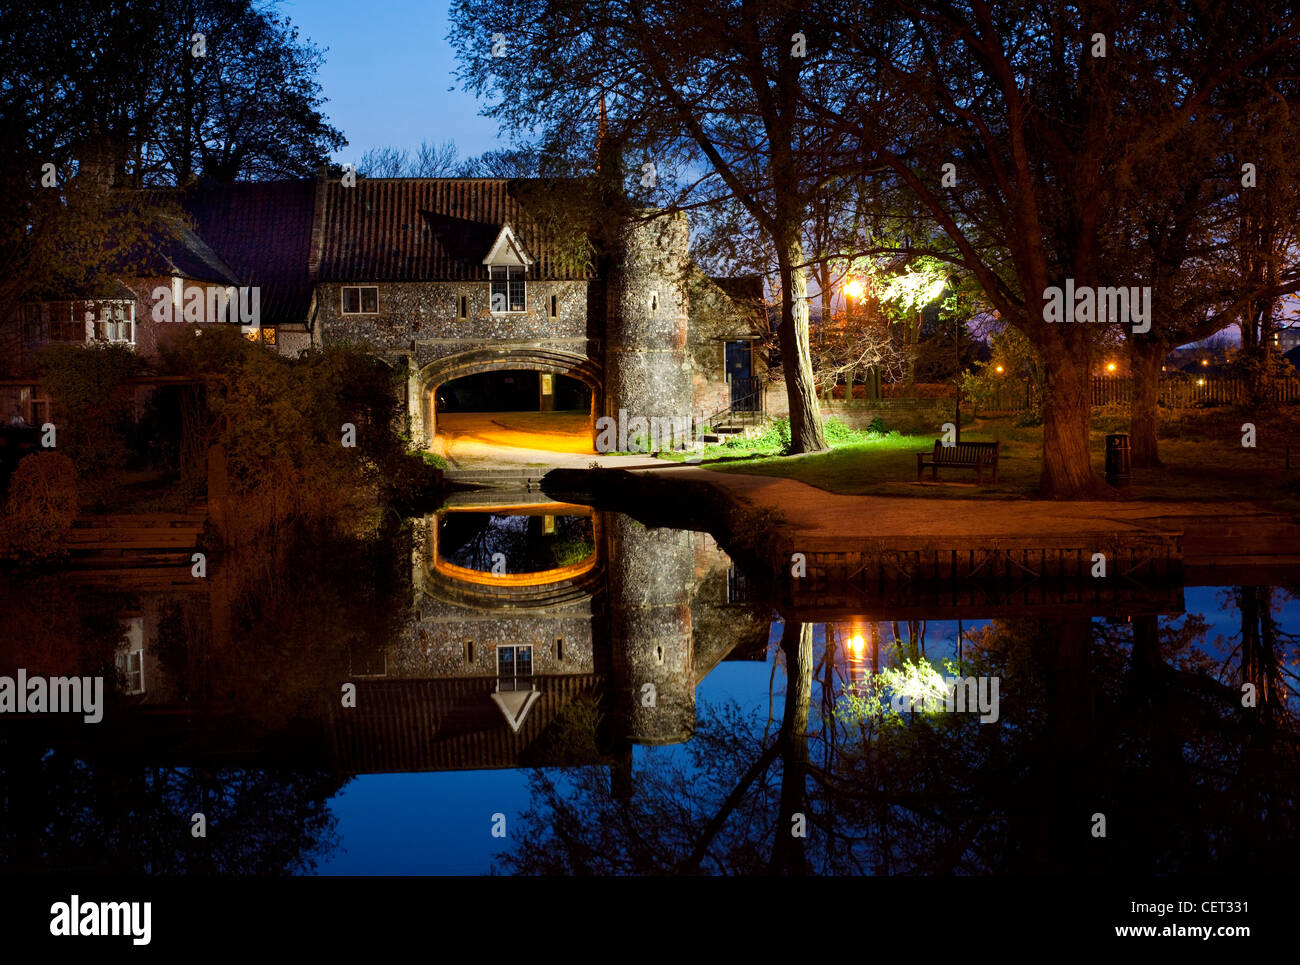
[1119, 459]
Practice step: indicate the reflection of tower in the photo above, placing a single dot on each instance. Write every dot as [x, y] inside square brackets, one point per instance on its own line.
[647, 372]
[650, 573]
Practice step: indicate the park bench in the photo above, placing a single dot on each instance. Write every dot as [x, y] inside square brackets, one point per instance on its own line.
[960, 455]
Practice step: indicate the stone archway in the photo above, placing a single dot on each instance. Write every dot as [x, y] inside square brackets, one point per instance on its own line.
[549, 361]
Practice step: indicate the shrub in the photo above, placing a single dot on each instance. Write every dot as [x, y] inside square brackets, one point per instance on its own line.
[41, 506]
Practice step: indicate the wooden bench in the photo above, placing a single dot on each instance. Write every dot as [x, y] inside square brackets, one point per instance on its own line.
[961, 455]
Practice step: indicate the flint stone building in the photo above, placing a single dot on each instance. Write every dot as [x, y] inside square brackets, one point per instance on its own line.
[446, 277]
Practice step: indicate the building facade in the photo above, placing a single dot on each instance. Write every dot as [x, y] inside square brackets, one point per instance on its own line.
[444, 277]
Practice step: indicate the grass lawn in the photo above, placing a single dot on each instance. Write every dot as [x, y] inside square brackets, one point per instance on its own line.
[1202, 453]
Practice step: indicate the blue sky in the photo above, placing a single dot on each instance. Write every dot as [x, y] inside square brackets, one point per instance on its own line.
[386, 74]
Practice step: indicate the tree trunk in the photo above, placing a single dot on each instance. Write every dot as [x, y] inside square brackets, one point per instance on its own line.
[1067, 412]
[806, 433]
[788, 850]
[1145, 356]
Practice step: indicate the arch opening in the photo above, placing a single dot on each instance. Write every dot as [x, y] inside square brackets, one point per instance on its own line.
[478, 404]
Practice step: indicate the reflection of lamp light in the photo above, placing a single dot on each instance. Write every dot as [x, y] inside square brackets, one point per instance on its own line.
[858, 644]
[854, 288]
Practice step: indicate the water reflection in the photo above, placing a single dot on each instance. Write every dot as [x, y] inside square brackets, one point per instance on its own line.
[595, 658]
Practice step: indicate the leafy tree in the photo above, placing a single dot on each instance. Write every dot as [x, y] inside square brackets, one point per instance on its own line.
[718, 105]
[1051, 145]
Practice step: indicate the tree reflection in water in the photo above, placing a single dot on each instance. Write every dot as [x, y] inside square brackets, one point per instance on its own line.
[1140, 721]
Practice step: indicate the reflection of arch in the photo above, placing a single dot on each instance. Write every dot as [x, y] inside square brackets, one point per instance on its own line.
[545, 588]
[544, 360]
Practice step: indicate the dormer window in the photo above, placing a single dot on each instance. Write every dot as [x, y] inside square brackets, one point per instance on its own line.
[507, 288]
[507, 263]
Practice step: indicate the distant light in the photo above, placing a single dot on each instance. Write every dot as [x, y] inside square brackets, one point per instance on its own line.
[999, 370]
[858, 644]
[1205, 361]
[1200, 381]
[854, 288]
[1110, 367]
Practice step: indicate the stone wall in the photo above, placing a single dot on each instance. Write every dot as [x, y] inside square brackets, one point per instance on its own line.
[421, 318]
[647, 373]
[715, 319]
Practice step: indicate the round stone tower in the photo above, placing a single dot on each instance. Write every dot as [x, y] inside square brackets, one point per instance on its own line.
[652, 661]
[647, 368]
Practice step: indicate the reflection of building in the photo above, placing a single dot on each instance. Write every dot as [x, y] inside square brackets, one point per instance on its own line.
[526, 668]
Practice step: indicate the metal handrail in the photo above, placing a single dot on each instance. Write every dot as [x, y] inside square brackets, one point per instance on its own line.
[751, 414]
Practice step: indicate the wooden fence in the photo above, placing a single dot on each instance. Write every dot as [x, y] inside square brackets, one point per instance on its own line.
[1175, 393]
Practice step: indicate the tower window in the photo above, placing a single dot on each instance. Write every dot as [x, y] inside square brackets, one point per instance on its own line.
[469, 651]
[559, 648]
[507, 288]
[654, 301]
[555, 306]
[462, 306]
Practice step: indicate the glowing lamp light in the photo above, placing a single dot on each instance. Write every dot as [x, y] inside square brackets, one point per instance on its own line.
[1110, 367]
[1200, 381]
[854, 288]
[858, 644]
[1205, 361]
[999, 370]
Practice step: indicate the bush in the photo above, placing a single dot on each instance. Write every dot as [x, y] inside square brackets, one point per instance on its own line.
[41, 506]
[878, 427]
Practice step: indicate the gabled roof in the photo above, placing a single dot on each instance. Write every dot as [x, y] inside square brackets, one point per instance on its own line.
[175, 249]
[507, 250]
[450, 724]
[430, 229]
[263, 230]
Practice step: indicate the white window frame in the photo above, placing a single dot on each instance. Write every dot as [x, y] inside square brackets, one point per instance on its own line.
[360, 301]
[532, 666]
[493, 281]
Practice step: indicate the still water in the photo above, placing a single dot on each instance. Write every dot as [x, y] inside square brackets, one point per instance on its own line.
[544, 688]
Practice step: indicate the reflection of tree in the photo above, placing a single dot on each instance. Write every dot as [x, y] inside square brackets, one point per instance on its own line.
[1136, 721]
[66, 811]
[473, 540]
[241, 680]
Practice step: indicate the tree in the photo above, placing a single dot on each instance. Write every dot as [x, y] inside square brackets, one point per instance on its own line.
[122, 93]
[719, 104]
[430, 161]
[1051, 117]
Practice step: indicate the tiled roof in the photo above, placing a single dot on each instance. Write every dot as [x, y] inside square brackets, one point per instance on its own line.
[175, 249]
[447, 724]
[429, 229]
[263, 230]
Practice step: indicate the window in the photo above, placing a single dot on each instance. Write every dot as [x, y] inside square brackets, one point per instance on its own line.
[462, 306]
[360, 300]
[559, 648]
[555, 306]
[469, 651]
[513, 663]
[130, 668]
[269, 337]
[507, 288]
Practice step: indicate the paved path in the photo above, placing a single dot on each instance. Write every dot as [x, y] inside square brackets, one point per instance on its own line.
[497, 441]
[827, 519]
